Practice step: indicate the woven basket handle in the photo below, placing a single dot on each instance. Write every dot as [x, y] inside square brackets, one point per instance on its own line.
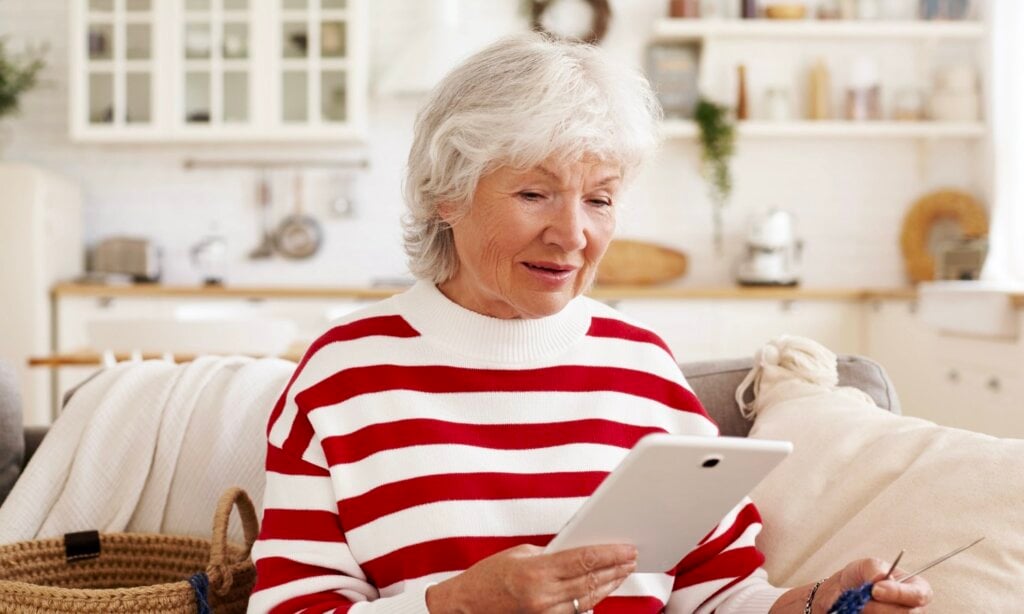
[232, 497]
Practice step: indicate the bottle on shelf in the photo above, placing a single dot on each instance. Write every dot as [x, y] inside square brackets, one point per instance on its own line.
[689, 9]
[819, 103]
[742, 109]
[864, 92]
[748, 9]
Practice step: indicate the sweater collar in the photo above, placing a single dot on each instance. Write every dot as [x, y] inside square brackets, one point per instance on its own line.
[465, 332]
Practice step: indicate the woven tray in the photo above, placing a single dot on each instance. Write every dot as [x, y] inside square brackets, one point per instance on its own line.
[629, 262]
[954, 205]
[135, 572]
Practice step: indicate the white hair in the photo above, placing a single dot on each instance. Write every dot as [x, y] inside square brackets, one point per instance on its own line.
[520, 101]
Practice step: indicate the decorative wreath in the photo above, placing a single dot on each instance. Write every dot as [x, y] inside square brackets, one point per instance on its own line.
[922, 216]
[598, 25]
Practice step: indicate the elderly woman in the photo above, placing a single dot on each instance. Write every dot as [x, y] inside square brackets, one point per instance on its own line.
[427, 447]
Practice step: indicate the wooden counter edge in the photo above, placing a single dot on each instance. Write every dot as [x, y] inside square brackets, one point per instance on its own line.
[598, 292]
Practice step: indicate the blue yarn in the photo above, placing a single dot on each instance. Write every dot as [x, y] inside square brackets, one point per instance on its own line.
[200, 585]
[852, 601]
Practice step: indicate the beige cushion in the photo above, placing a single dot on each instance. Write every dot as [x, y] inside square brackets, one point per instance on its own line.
[863, 482]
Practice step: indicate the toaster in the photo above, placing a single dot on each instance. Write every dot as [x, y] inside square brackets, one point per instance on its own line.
[133, 257]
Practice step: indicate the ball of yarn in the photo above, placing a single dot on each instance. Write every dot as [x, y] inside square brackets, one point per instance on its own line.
[853, 600]
[767, 355]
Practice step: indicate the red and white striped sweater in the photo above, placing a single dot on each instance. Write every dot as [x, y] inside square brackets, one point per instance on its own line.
[417, 437]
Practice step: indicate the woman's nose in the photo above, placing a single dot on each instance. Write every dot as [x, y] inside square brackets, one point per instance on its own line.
[567, 227]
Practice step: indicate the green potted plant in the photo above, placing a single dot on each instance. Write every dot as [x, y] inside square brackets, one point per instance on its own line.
[18, 74]
[718, 143]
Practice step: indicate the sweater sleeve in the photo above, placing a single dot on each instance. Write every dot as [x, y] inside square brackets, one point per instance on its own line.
[303, 563]
[723, 574]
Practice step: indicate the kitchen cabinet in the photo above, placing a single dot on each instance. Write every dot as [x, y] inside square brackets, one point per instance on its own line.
[720, 328]
[72, 317]
[75, 313]
[218, 70]
[966, 382]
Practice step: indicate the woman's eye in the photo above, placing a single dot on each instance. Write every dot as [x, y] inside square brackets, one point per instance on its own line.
[531, 196]
[601, 202]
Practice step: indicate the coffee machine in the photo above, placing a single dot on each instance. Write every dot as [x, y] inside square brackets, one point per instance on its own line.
[773, 252]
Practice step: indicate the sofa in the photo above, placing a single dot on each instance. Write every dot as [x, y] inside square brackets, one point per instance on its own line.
[714, 383]
[863, 479]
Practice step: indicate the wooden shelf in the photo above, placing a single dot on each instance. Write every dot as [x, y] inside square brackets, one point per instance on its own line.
[685, 129]
[368, 293]
[698, 29]
[92, 358]
[216, 292]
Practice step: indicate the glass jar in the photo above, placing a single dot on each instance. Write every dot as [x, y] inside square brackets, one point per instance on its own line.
[777, 104]
[869, 9]
[829, 9]
[908, 105]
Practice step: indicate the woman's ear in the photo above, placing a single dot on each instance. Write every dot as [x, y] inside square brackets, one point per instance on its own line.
[446, 211]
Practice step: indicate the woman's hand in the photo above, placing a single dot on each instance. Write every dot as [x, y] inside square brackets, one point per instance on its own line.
[886, 596]
[523, 579]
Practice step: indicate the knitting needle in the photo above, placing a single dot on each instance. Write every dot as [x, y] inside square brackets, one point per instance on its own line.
[899, 556]
[938, 560]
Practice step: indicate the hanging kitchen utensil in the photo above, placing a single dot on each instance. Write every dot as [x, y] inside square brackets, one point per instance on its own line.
[266, 247]
[299, 235]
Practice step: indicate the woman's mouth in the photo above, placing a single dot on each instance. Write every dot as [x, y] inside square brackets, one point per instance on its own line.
[550, 272]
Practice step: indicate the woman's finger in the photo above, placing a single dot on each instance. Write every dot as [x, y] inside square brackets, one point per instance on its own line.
[912, 593]
[578, 562]
[590, 600]
[594, 580]
[874, 607]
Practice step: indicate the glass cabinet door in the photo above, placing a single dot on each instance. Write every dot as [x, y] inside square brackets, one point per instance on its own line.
[119, 65]
[215, 49]
[314, 62]
[218, 70]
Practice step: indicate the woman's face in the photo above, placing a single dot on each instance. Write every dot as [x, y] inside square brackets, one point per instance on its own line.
[532, 240]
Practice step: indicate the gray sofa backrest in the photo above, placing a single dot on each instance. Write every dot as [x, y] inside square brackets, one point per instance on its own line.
[715, 383]
[12, 433]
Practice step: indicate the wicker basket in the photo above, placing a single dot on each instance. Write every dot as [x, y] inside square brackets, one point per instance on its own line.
[135, 572]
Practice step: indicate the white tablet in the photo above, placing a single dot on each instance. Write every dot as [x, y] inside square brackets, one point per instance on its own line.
[668, 493]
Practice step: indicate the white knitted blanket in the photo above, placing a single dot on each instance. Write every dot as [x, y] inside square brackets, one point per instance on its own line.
[149, 447]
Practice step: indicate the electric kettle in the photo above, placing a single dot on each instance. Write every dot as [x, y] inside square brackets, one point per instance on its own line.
[772, 257]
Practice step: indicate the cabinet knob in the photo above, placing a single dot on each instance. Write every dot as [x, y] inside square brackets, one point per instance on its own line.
[994, 384]
[105, 302]
[953, 376]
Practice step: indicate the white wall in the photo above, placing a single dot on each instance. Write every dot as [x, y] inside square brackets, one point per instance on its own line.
[849, 196]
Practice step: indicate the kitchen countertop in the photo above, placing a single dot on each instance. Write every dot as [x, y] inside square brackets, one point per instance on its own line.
[87, 357]
[599, 292]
